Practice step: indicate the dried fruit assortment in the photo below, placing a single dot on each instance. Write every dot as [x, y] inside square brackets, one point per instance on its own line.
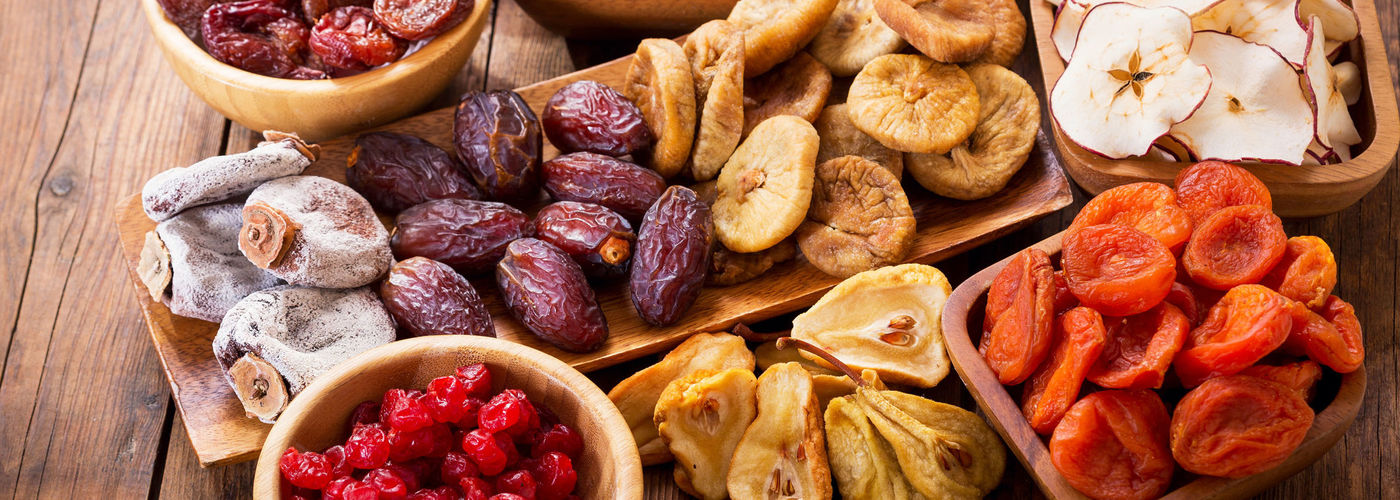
[1196, 287]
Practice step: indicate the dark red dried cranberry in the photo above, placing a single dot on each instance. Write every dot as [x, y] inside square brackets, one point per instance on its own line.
[510, 412]
[367, 447]
[555, 474]
[306, 470]
[339, 466]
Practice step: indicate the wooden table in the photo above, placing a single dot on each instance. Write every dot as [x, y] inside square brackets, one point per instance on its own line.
[89, 110]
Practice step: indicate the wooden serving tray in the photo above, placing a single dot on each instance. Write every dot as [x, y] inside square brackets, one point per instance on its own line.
[1336, 403]
[1298, 191]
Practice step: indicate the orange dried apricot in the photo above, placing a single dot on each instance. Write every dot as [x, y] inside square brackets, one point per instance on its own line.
[1307, 272]
[1117, 270]
[1184, 298]
[1064, 299]
[1140, 348]
[1331, 336]
[1249, 322]
[1234, 246]
[1113, 444]
[1208, 186]
[1238, 425]
[1017, 329]
[1145, 206]
[1301, 376]
[1054, 386]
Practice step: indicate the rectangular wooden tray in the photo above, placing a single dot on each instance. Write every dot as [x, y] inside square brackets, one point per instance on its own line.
[1298, 191]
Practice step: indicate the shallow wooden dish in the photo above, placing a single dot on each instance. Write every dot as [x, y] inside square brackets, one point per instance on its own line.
[319, 109]
[1298, 191]
[1337, 401]
[624, 18]
[609, 468]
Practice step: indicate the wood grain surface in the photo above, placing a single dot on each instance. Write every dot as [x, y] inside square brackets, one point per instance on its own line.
[91, 111]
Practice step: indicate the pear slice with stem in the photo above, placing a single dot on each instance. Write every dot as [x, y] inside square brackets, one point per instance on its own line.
[701, 417]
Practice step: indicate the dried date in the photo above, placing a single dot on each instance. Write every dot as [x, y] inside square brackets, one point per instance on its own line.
[623, 187]
[598, 239]
[672, 256]
[547, 292]
[590, 116]
[250, 35]
[421, 19]
[186, 14]
[350, 38]
[427, 297]
[312, 10]
[498, 139]
[396, 171]
[468, 235]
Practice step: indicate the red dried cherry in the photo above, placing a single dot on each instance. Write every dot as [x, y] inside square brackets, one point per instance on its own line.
[350, 38]
[518, 482]
[509, 412]
[556, 476]
[457, 466]
[439, 493]
[364, 414]
[560, 438]
[490, 452]
[335, 490]
[477, 380]
[475, 488]
[306, 470]
[339, 466]
[446, 399]
[367, 447]
[388, 484]
[404, 410]
[408, 445]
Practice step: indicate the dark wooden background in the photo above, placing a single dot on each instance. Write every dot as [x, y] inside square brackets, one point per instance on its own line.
[89, 110]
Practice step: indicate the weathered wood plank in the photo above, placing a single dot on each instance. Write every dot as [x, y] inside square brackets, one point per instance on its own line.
[184, 479]
[522, 51]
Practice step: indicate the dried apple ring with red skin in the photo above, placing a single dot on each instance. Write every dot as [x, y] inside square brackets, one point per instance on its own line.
[1117, 270]
[1307, 273]
[1206, 187]
[1238, 425]
[1248, 323]
[1114, 444]
[1064, 299]
[1145, 206]
[1019, 323]
[1331, 336]
[1302, 376]
[1140, 348]
[1234, 246]
[1055, 385]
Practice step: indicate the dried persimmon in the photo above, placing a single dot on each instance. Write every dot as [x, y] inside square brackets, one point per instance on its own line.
[1331, 336]
[1117, 270]
[1113, 444]
[1234, 246]
[1018, 327]
[1140, 348]
[1208, 186]
[1238, 425]
[1301, 376]
[1307, 272]
[1249, 322]
[1055, 385]
[1145, 206]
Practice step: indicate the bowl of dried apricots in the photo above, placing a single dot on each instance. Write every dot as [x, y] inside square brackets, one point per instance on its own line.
[1173, 341]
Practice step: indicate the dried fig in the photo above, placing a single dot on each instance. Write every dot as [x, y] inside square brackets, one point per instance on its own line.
[783, 452]
[154, 267]
[913, 104]
[728, 267]
[798, 87]
[660, 84]
[701, 417]
[774, 30]
[766, 186]
[950, 31]
[716, 53]
[853, 35]
[998, 147]
[859, 219]
[840, 137]
[1010, 33]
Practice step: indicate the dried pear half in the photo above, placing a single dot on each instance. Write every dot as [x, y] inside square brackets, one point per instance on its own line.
[766, 186]
[859, 218]
[950, 31]
[888, 320]
[998, 147]
[853, 35]
[830, 386]
[716, 53]
[701, 417]
[913, 104]
[863, 463]
[798, 87]
[840, 137]
[783, 452]
[659, 82]
[728, 267]
[774, 30]
[636, 396]
[1010, 33]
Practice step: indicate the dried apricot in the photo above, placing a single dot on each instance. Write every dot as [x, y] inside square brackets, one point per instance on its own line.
[1018, 327]
[1301, 376]
[1117, 270]
[1184, 298]
[1331, 336]
[1307, 272]
[1234, 246]
[798, 87]
[1208, 186]
[1113, 444]
[1145, 206]
[1249, 322]
[774, 30]
[1054, 386]
[1238, 425]
[1140, 348]
[913, 104]
[1064, 299]
[660, 84]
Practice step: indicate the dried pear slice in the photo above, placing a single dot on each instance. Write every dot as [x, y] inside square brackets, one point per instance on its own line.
[862, 462]
[1334, 126]
[1010, 33]
[913, 104]
[701, 417]
[859, 219]
[659, 82]
[636, 396]
[716, 53]
[998, 147]
[1265, 22]
[840, 137]
[853, 35]
[767, 354]
[798, 87]
[154, 266]
[783, 452]
[888, 320]
[766, 186]
[832, 386]
[774, 30]
[950, 31]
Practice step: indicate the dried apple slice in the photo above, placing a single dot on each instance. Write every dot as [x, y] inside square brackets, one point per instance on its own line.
[1338, 19]
[1348, 81]
[913, 104]
[783, 452]
[1266, 22]
[853, 35]
[1069, 19]
[1251, 113]
[951, 31]
[1131, 80]
[766, 186]
[701, 417]
[1335, 129]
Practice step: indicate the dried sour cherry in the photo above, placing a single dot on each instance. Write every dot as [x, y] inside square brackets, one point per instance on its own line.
[420, 19]
[427, 297]
[186, 14]
[498, 139]
[547, 292]
[598, 239]
[350, 38]
[671, 257]
[468, 235]
[396, 171]
[240, 34]
[590, 116]
[623, 187]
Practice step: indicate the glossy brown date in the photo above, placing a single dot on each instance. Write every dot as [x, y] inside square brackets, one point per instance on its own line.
[624, 187]
[589, 116]
[598, 239]
[468, 235]
[547, 292]
[672, 256]
[427, 297]
[396, 171]
[497, 138]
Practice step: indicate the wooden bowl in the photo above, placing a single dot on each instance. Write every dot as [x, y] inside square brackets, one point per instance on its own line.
[315, 420]
[320, 109]
[624, 18]
[1298, 191]
[962, 327]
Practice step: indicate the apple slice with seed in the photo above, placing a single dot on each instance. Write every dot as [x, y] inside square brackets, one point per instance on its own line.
[1335, 129]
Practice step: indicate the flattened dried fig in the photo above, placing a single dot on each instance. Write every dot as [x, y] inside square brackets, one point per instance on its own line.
[659, 83]
[716, 53]
[798, 87]
[998, 147]
[853, 35]
[766, 186]
[701, 417]
[840, 137]
[783, 453]
[859, 218]
[774, 30]
[728, 267]
[947, 30]
[913, 104]
[1010, 33]
[154, 267]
